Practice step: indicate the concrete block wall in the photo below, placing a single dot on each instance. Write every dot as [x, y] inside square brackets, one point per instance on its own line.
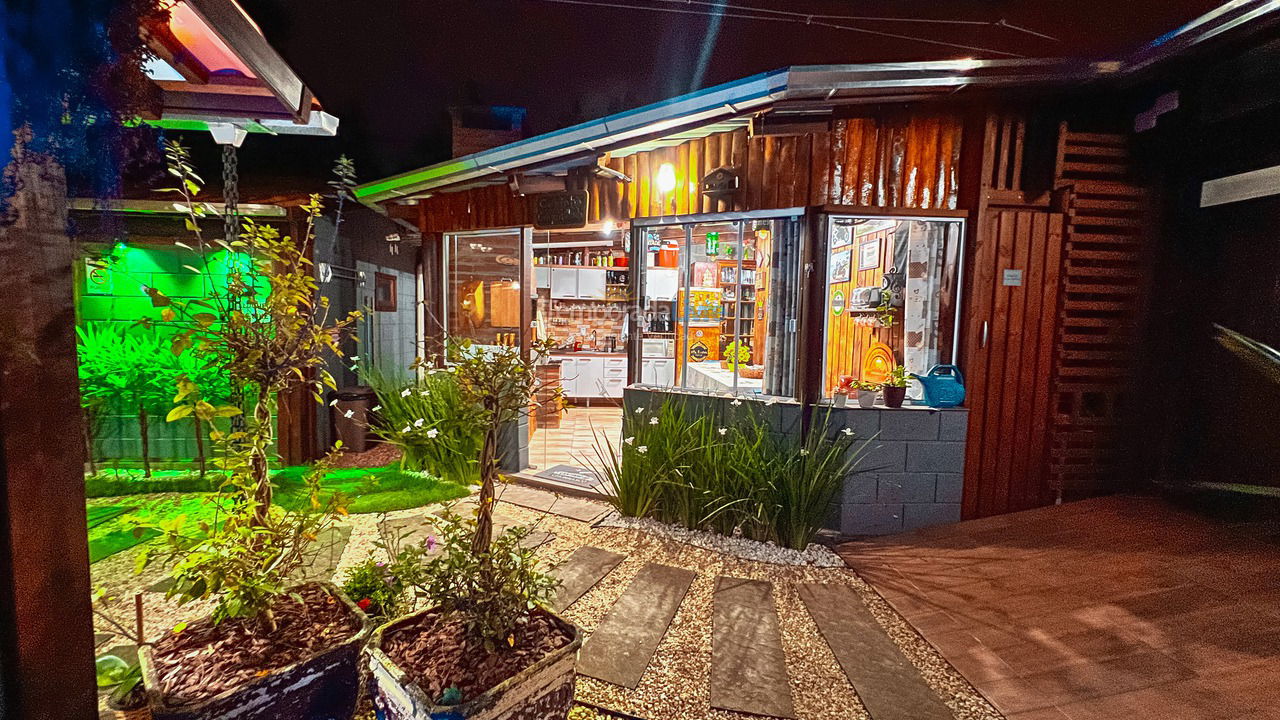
[911, 476]
[390, 338]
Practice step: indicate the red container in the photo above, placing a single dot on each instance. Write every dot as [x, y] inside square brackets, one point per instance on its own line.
[668, 256]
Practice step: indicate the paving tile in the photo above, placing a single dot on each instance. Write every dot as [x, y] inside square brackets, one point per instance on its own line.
[888, 684]
[562, 505]
[1076, 683]
[621, 647]
[748, 667]
[324, 554]
[577, 575]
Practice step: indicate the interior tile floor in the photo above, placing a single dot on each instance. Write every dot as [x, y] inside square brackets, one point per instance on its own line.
[573, 443]
[1121, 607]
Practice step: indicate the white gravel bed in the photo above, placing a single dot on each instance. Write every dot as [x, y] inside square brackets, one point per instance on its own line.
[813, 556]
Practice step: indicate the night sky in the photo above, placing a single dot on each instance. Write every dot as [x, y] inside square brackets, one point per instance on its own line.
[389, 68]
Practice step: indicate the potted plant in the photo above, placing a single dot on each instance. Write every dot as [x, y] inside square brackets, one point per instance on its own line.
[895, 388]
[867, 394]
[840, 396]
[736, 355]
[485, 648]
[270, 649]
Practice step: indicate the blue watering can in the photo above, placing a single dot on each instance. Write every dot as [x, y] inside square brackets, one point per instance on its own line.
[943, 386]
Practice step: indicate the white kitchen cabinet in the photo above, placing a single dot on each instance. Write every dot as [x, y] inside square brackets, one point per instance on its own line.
[568, 385]
[542, 278]
[588, 372]
[658, 371]
[613, 387]
[564, 283]
[660, 283]
[591, 284]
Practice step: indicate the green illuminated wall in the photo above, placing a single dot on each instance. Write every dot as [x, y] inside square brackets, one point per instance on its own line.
[118, 296]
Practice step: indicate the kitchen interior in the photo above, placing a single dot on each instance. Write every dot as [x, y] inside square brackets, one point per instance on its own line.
[582, 280]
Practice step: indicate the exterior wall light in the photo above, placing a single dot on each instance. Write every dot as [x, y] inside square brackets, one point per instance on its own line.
[666, 179]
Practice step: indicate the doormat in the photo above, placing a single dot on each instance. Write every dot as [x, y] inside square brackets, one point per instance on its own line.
[570, 475]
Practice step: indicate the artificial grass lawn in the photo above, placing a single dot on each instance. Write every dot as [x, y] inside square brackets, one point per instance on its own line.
[368, 490]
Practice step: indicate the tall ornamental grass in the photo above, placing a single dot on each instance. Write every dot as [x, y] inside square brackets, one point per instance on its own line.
[727, 473]
[437, 429]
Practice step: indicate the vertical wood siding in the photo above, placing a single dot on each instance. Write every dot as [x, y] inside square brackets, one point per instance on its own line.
[891, 161]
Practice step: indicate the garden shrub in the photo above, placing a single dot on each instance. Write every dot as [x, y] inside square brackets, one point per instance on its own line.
[729, 474]
[436, 427]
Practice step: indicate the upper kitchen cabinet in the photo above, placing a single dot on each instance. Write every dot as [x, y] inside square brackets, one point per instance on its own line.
[661, 283]
[591, 284]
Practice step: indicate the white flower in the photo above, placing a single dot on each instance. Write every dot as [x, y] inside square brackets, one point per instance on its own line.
[642, 449]
[333, 402]
[406, 428]
[639, 410]
[653, 421]
[376, 408]
[432, 433]
[355, 357]
[422, 392]
[405, 392]
[354, 367]
[803, 452]
[629, 440]
[736, 402]
[722, 431]
[847, 431]
[348, 413]
[418, 423]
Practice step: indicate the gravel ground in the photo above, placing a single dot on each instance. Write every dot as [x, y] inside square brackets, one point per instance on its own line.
[677, 684]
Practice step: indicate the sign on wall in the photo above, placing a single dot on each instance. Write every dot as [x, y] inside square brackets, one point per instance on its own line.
[560, 210]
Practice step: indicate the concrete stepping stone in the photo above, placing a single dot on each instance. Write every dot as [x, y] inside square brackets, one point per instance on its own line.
[748, 667]
[324, 554]
[586, 567]
[563, 505]
[888, 684]
[620, 649]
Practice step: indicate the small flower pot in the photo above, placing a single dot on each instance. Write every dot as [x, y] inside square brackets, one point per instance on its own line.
[543, 691]
[893, 396]
[324, 686]
[839, 400]
[866, 399]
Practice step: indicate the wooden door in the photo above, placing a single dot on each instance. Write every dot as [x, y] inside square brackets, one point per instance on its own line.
[1009, 339]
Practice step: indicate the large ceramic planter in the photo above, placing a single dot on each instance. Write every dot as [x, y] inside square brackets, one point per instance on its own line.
[324, 686]
[543, 691]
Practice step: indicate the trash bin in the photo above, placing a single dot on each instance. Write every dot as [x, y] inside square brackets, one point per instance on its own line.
[350, 414]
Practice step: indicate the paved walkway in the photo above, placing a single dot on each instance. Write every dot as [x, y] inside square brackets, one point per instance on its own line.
[1116, 608]
[748, 671]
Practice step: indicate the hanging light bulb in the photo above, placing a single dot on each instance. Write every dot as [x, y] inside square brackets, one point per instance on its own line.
[666, 178]
[608, 228]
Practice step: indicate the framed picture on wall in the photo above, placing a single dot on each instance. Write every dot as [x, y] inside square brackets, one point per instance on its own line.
[384, 292]
[869, 255]
[840, 265]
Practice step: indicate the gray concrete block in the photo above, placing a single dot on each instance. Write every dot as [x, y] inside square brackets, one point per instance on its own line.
[786, 417]
[871, 519]
[889, 488]
[954, 425]
[926, 514]
[909, 425]
[864, 423]
[950, 488]
[918, 487]
[832, 521]
[860, 488]
[885, 457]
[945, 457]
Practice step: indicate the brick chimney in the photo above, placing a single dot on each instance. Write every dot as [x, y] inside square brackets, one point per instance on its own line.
[480, 127]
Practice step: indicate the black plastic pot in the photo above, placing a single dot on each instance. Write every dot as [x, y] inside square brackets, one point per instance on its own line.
[893, 396]
[324, 686]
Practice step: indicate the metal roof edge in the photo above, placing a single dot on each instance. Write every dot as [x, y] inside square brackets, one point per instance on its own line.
[803, 82]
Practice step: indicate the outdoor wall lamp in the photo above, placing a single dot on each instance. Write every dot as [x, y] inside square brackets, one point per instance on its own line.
[666, 178]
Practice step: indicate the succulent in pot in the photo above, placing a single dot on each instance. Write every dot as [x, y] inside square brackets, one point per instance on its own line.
[895, 388]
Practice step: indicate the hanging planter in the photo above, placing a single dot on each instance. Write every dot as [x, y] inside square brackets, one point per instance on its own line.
[541, 691]
[322, 686]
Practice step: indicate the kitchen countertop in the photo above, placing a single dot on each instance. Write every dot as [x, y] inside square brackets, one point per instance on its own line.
[598, 353]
